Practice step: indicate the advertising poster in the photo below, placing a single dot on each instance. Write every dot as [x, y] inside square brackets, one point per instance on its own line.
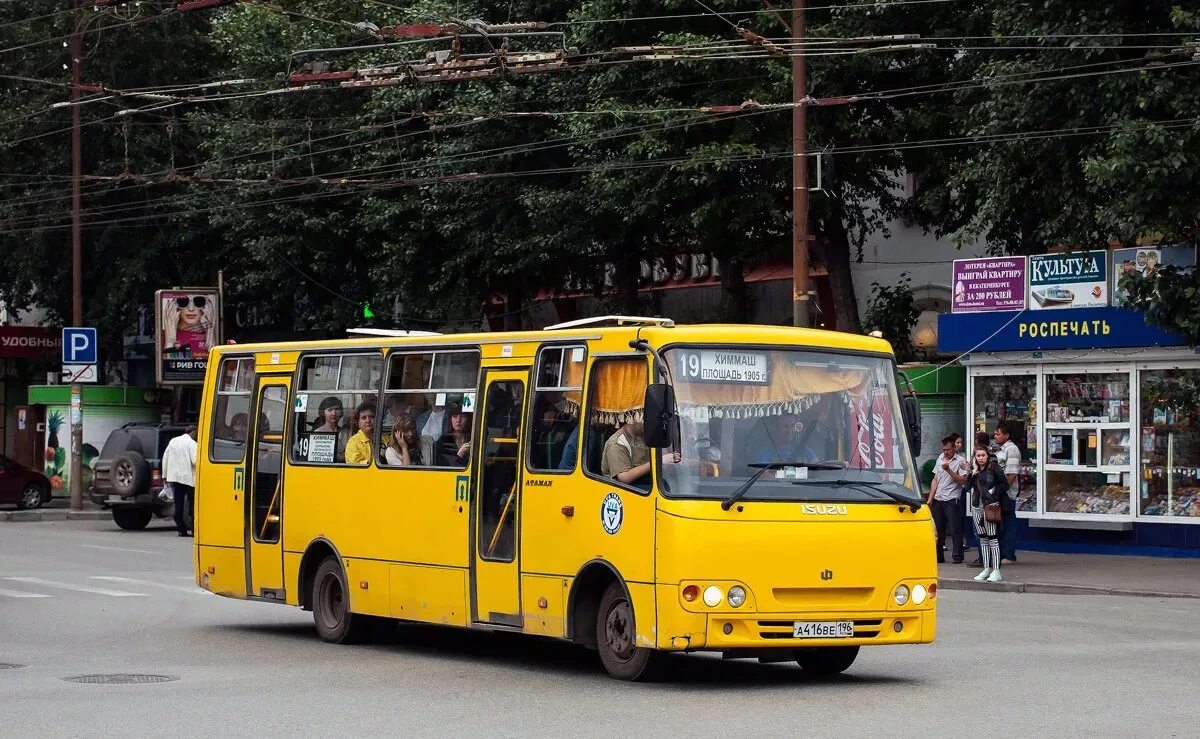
[989, 284]
[187, 325]
[1146, 261]
[1068, 280]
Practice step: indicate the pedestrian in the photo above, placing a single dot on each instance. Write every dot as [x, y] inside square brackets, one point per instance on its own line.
[179, 470]
[945, 492]
[1009, 459]
[985, 441]
[986, 486]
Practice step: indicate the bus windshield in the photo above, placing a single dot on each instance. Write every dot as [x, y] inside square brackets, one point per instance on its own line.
[827, 426]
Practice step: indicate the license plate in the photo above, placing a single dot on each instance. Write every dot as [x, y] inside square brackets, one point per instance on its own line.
[823, 629]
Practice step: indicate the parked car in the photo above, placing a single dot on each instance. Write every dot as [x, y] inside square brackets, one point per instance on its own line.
[22, 485]
[128, 474]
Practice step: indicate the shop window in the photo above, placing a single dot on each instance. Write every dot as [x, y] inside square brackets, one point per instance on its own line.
[554, 425]
[614, 447]
[1012, 399]
[231, 410]
[1169, 477]
[336, 399]
[429, 403]
[1088, 435]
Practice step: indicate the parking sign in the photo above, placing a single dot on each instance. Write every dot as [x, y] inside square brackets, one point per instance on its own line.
[79, 345]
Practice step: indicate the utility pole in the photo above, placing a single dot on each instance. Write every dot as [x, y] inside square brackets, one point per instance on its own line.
[76, 409]
[800, 236]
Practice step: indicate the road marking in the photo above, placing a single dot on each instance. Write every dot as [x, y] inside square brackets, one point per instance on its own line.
[131, 581]
[119, 549]
[78, 588]
[22, 594]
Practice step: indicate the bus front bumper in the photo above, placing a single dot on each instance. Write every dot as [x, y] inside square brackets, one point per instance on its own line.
[684, 630]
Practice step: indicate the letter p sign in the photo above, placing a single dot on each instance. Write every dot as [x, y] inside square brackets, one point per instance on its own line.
[79, 346]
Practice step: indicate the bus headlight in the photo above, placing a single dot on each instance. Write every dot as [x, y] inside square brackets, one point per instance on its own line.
[737, 596]
[713, 596]
[901, 595]
[918, 594]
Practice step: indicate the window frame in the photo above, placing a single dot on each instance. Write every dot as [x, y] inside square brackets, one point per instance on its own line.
[218, 394]
[297, 380]
[427, 390]
[587, 409]
[535, 388]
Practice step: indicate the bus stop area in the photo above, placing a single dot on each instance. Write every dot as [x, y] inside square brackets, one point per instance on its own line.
[1085, 574]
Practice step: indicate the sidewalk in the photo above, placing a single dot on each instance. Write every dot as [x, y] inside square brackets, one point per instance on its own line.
[57, 510]
[1084, 574]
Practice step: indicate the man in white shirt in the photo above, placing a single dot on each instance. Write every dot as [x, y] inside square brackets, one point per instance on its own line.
[1009, 460]
[179, 469]
[944, 499]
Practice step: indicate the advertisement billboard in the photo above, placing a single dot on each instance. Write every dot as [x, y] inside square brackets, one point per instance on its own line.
[1146, 260]
[186, 325]
[1068, 280]
[988, 284]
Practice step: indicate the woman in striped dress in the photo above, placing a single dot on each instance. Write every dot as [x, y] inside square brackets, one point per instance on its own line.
[985, 486]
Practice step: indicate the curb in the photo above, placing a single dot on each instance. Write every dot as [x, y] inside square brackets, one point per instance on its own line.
[53, 514]
[1053, 589]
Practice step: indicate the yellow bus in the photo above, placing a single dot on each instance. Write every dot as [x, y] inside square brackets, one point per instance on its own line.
[623, 483]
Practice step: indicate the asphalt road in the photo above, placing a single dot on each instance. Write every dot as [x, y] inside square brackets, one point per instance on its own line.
[82, 598]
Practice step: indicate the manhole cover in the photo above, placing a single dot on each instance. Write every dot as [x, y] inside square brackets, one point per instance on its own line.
[121, 679]
[9, 665]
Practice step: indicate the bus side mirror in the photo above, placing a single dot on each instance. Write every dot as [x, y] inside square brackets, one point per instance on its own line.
[912, 422]
[659, 413]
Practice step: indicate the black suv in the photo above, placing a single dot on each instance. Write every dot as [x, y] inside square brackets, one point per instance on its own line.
[128, 475]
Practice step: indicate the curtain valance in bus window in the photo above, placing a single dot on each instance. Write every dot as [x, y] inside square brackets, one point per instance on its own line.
[618, 391]
[791, 388]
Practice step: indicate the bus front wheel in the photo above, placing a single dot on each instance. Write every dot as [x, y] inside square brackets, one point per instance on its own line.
[616, 640]
[331, 607]
[824, 661]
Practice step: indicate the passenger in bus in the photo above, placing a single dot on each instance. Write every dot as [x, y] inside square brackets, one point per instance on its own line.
[329, 416]
[626, 458]
[358, 448]
[237, 427]
[570, 451]
[329, 421]
[550, 438]
[777, 439]
[454, 447]
[404, 450]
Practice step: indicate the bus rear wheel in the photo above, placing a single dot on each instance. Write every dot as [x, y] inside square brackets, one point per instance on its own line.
[331, 607]
[616, 640]
[825, 661]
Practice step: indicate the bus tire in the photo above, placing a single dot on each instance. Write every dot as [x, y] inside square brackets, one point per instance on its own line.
[826, 661]
[616, 640]
[331, 607]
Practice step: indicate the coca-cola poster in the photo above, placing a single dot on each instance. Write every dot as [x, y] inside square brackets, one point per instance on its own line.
[873, 432]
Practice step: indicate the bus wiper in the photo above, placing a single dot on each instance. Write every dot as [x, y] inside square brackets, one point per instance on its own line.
[914, 504]
[762, 469]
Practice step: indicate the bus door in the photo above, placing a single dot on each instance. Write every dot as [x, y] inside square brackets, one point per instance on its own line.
[264, 491]
[495, 572]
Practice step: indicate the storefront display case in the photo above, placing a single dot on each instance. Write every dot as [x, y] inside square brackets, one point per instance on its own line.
[1011, 397]
[1087, 467]
[1169, 443]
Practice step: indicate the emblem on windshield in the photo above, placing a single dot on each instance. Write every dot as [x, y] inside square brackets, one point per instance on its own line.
[612, 513]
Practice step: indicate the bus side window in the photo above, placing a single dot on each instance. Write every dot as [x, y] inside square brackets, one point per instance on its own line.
[614, 442]
[231, 410]
[554, 423]
[335, 392]
[429, 393]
